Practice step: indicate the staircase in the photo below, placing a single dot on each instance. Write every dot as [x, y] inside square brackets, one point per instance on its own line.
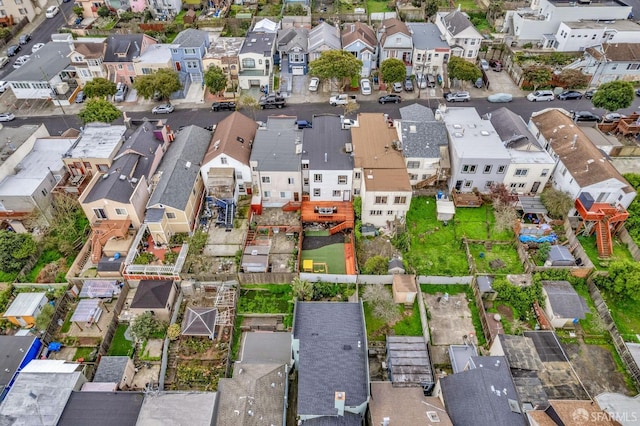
[229, 214]
[603, 235]
[340, 227]
[428, 181]
[292, 206]
[251, 235]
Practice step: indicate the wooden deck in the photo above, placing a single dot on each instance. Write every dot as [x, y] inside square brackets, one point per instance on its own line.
[466, 199]
[328, 212]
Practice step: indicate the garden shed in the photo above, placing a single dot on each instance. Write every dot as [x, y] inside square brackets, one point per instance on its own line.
[563, 305]
[560, 256]
[256, 258]
[199, 322]
[396, 266]
[485, 286]
[116, 369]
[446, 209]
[25, 308]
[404, 289]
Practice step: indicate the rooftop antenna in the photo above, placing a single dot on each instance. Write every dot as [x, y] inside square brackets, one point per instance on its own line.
[573, 142]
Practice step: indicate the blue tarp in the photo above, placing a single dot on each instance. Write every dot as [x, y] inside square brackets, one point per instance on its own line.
[551, 238]
[54, 346]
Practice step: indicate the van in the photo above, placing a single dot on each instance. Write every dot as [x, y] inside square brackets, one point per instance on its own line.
[541, 95]
[431, 80]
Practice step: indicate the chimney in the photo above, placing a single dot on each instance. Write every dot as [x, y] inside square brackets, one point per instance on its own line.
[325, 157]
[339, 402]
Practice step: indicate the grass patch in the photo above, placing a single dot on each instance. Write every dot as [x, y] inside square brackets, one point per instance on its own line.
[321, 233]
[506, 253]
[592, 324]
[262, 300]
[465, 5]
[119, 345]
[375, 326]
[620, 252]
[45, 258]
[84, 353]
[378, 6]
[8, 277]
[179, 19]
[66, 326]
[626, 315]
[410, 325]
[237, 334]
[332, 255]
[475, 317]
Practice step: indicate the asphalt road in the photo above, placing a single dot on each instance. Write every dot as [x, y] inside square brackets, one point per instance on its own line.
[205, 117]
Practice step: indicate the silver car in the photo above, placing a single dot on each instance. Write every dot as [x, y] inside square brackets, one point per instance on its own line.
[7, 116]
[163, 109]
[458, 97]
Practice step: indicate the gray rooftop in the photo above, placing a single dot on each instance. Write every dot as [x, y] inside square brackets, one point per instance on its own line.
[471, 136]
[16, 136]
[324, 144]
[177, 408]
[349, 419]
[199, 321]
[426, 36]
[456, 22]
[560, 253]
[274, 147]
[13, 350]
[293, 37]
[180, 167]
[43, 65]
[520, 352]
[264, 347]
[111, 369]
[258, 42]
[484, 283]
[324, 34]
[622, 405]
[564, 299]
[152, 294]
[191, 38]
[224, 47]
[332, 355]
[478, 397]
[102, 409]
[98, 140]
[123, 47]
[25, 304]
[155, 54]
[522, 145]
[422, 135]
[134, 160]
[409, 361]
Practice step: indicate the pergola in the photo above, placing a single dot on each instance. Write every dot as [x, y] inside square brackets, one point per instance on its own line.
[88, 312]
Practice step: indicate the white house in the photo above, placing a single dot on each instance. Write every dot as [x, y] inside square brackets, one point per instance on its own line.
[430, 49]
[87, 56]
[256, 59]
[463, 38]
[395, 41]
[612, 61]
[578, 35]
[581, 167]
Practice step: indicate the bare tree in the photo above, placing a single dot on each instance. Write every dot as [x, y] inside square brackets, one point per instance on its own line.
[381, 301]
[505, 215]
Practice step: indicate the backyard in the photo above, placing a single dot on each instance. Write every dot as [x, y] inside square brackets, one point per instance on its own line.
[497, 258]
[408, 325]
[327, 252]
[120, 346]
[620, 252]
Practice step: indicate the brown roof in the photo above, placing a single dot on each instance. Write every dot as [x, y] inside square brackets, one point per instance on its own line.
[235, 134]
[618, 52]
[89, 50]
[358, 31]
[560, 130]
[387, 180]
[568, 410]
[393, 26]
[404, 283]
[405, 406]
[373, 143]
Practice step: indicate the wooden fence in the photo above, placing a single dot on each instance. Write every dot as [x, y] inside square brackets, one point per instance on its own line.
[631, 245]
[58, 316]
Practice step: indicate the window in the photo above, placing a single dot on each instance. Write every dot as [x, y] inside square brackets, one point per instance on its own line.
[469, 168]
[306, 182]
[189, 51]
[77, 58]
[44, 192]
[171, 215]
[267, 194]
[337, 193]
[544, 172]
[87, 164]
[342, 180]
[488, 184]
[389, 212]
[283, 195]
[248, 63]
[103, 167]
[356, 192]
[381, 200]
[375, 212]
[521, 185]
[521, 172]
[266, 179]
[413, 177]
[413, 164]
[470, 54]
[317, 177]
[501, 169]
[487, 169]
[357, 175]
[316, 192]
[468, 183]
[223, 160]
[290, 181]
[18, 1]
[100, 213]
[123, 212]
[633, 66]
[400, 200]
[305, 165]
[3, 12]
[22, 11]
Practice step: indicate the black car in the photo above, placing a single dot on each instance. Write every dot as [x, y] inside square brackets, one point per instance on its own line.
[390, 99]
[13, 49]
[585, 116]
[569, 94]
[24, 38]
[589, 93]
[223, 106]
[637, 92]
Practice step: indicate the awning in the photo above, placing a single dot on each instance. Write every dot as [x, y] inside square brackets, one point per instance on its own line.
[87, 311]
[531, 205]
[99, 289]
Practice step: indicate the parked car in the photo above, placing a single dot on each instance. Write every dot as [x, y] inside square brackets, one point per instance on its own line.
[458, 97]
[347, 123]
[500, 97]
[495, 65]
[389, 99]
[163, 109]
[365, 86]
[24, 38]
[637, 92]
[36, 47]
[272, 101]
[314, 83]
[52, 11]
[589, 93]
[541, 95]
[569, 94]
[4, 85]
[484, 64]
[3, 61]
[20, 61]
[585, 116]
[613, 116]
[121, 92]
[397, 87]
[223, 106]
[304, 124]
[341, 99]
[13, 50]
[7, 116]
[421, 81]
[80, 97]
[408, 84]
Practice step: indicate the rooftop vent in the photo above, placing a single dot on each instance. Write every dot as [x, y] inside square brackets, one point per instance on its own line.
[457, 126]
[458, 134]
[347, 347]
[122, 177]
[484, 133]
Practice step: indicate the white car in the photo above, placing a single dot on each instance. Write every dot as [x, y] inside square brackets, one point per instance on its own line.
[365, 86]
[163, 109]
[37, 47]
[52, 11]
[3, 86]
[484, 64]
[313, 84]
[21, 61]
[7, 116]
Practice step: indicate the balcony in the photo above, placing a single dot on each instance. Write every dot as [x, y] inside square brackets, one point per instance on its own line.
[72, 185]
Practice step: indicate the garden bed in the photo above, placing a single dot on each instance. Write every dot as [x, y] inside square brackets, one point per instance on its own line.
[266, 299]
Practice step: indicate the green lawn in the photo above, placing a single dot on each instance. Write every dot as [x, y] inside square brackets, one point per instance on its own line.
[620, 252]
[332, 255]
[265, 300]
[67, 322]
[444, 288]
[626, 315]
[377, 6]
[83, 353]
[410, 325]
[504, 252]
[45, 258]
[592, 325]
[465, 5]
[375, 326]
[119, 345]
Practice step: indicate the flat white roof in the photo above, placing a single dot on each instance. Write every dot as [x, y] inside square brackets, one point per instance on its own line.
[472, 136]
[25, 304]
[50, 366]
[155, 54]
[98, 140]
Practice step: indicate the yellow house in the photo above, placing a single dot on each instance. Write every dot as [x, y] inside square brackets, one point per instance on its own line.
[25, 309]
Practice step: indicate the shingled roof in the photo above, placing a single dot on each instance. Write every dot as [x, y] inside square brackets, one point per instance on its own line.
[152, 294]
[235, 135]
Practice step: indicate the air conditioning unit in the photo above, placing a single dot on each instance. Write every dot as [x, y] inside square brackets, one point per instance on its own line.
[62, 88]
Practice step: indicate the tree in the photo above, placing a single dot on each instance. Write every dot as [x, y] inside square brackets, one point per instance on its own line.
[537, 75]
[623, 280]
[163, 82]
[67, 227]
[614, 95]
[15, 250]
[392, 70]
[376, 265]
[99, 110]
[338, 64]
[350, 107]
[462, 70]
[379, 298]
[302, 289]
[249, 103]
[215, 79]
[505, 216]
[44, 317]
[495, 10]
[430, 8]
[78, 10]
[144, 326]
[99, 88]
[104, 11]
[500, 193]
[573, 79]
[173, 332]
[558, 203]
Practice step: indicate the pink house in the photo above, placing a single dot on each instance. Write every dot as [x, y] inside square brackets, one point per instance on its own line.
[121, 50]
[138, 5]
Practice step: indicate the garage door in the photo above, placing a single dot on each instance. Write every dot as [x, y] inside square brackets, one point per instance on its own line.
[297, 70]
[254, 82]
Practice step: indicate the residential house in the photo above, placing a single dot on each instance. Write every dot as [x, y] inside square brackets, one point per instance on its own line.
[120, 53]
[563, 305]
[611, 62]
[322, 38]
[405, 406]
[484, 394]
[28, 176]
[223, 53]
[187, 51]
[581, 167]
[90, 154]
[178, 187]
[256, 59]
[25, 308]
[463, 38]
[292, 49]
[479, 158]
[531, 166]
[41, 391]
[266, 25]
[12, 12]
[174, 407]
[155, 57]
[87, 57]
[47, 74]
[330, 353]
[15, 352]
[574, 36]
[164, 10]
[380, 175]
[115, 369]
[360, 39]
[156, 297]
[566, 412]
[424, 144]
[230, 147]
[275, 162]
[90, 7]
[138, 6]
[396, 41]
[430, 49]
[327, 164]
[102, 408]
[619, 407]
[539, 22]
